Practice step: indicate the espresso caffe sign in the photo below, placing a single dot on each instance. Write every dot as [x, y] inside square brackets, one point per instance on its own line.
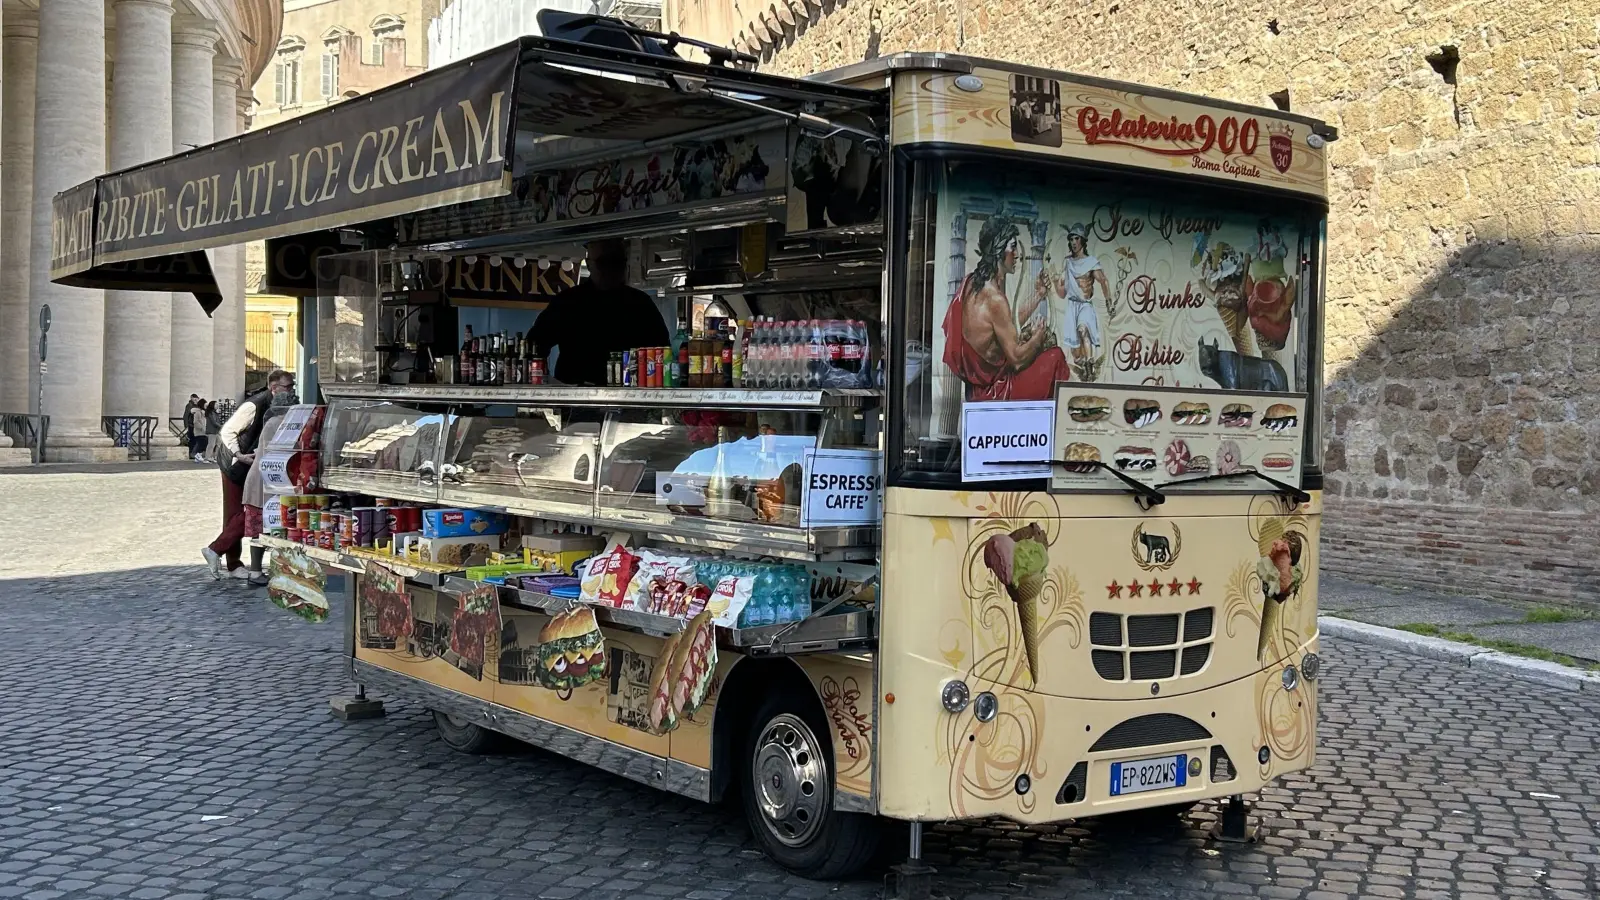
[442, 138]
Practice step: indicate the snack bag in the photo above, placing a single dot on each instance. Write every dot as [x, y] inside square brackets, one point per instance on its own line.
[619, 571]
[593, 576]
[729, 599]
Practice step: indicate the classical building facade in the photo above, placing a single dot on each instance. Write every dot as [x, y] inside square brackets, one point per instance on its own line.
[329, 51]
[90, 86]
[1463, 316]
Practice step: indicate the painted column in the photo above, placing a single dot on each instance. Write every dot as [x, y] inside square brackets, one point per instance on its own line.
[244, 104]
[227, 321]
[70, 133]
[139, 323]
[194, 44]
[19, 390]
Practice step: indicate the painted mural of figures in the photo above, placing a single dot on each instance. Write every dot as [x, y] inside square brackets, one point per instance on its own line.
[1223, 270]
[1082, 273]
[1270, 289]
[983, 345]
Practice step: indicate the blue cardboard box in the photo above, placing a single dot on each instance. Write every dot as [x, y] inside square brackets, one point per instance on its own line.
[443, 523]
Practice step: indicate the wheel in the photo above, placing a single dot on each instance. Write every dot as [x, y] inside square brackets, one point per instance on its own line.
[788, 794]
[463, 736]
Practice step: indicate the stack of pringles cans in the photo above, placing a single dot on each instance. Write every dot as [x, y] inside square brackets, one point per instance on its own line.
[340, 521]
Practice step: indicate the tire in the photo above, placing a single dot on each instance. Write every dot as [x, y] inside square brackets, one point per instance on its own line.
[785, 750]
[463, 736]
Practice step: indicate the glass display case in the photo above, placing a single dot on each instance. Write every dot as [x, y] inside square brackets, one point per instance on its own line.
[500, 455]
[723, 476]
[383, 448]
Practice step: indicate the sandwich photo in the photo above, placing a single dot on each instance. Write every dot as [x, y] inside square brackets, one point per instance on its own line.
[683, 674]
[1177, 457]
[1279, 417]
[1080, 457]
[1277, 462]
[1088, 408]
[477, 617]
[571, 650]
[1136, 459]
[1189, 413]
[1198, 465]
[1237, 415]
[296, 582]
[1139, 413]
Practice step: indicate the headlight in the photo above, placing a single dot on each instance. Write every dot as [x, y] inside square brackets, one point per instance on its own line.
[955, 696]
[1291, 678]
[1264, 755]
[986, 707]
[1310, 666]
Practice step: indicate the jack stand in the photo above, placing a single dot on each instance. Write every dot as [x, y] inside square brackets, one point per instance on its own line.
[912, 879]
[351, 709]
[1234, 827]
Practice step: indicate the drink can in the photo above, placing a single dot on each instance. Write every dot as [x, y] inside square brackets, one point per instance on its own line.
[536, 370]
[641, 357]
[627, 368]
[651, 367]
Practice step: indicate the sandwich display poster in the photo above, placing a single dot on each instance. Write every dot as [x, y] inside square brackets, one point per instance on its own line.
[386, 616]
[1041, 280]
[476, 622]
[1164, 435]
[296, 582]
[681, 679]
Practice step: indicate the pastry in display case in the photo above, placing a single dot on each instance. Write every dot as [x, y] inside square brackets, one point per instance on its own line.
[383, 440]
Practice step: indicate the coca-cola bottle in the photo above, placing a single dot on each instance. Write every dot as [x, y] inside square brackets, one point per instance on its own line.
[816, 371]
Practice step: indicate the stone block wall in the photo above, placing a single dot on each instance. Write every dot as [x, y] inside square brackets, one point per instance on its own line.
[1463, 313]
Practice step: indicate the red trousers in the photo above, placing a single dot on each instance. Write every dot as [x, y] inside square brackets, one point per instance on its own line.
[227, 543]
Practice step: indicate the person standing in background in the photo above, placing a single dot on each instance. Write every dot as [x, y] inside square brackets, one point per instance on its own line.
[195, 419]
[254, 495]
[235, 453]
[213, 427]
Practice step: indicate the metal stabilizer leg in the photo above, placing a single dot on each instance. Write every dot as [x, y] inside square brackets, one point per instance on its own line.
[358, 707]
[1234, 827]
[912, 879]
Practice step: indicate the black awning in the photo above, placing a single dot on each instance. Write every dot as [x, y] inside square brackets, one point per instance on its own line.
[450, 136]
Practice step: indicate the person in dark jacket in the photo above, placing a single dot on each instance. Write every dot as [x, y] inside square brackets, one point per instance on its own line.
[601, 315]
[236, 452]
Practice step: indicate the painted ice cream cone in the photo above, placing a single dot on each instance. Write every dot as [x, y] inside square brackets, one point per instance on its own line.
[1238, 326]
[1018, 560]
[1271, 622]
[1026, 596]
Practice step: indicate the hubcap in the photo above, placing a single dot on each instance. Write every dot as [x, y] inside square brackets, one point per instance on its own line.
[789, 780]
[455, 720]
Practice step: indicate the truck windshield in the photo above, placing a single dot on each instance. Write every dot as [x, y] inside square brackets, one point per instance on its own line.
[1022, 275]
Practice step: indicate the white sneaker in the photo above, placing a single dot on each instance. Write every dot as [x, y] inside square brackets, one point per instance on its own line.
[241, 573]
[198, 458]
[213, 562]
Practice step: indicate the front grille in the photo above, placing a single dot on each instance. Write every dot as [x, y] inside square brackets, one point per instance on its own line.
[1152, 665]
[1108, 664]
[1105, 629]
[1076, 787]
[1147, 647]
[1148, 731]
[1152, 631]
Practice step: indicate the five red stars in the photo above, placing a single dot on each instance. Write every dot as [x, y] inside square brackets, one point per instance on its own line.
[1113, 591]
[1155, 587]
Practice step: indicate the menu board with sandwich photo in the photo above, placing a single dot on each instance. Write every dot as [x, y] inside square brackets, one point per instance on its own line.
[1162, 436]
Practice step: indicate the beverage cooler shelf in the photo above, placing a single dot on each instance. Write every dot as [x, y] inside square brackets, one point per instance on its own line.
[558, 395]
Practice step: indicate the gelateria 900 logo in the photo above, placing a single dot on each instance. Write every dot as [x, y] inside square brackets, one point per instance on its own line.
[1230, 134]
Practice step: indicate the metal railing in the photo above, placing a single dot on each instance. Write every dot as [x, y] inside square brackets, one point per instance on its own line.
[175, 424]
[133, 432]
[27, 430]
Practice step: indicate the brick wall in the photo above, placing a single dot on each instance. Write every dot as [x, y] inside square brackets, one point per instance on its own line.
[1463, 346]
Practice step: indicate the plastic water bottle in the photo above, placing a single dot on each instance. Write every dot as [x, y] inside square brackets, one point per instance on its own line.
[759, 611]
[799, 605]
[816, 343]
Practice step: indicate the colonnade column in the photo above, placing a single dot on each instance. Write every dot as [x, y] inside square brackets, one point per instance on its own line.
[194, 44]
[139, 323]
[227, 353]
[70, 132]
[19, 391]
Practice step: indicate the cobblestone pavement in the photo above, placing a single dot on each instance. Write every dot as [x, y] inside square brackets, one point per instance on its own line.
[163, 736]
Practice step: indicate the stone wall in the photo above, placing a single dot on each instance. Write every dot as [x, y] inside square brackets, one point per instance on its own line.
[1463, 346]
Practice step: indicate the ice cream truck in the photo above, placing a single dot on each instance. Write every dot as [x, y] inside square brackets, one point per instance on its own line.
[981, 479]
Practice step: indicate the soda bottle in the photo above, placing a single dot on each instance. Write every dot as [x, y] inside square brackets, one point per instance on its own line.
[816, 354]
[680, 355]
